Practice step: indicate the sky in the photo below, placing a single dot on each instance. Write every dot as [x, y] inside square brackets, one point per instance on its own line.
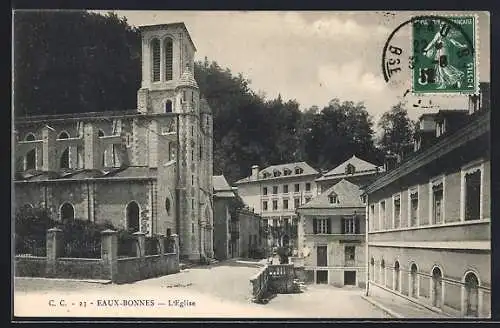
[311, 57]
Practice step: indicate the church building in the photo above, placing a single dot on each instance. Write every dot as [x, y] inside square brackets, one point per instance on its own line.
[147, 169]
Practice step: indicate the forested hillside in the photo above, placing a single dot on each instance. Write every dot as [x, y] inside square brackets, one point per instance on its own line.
[83, 62]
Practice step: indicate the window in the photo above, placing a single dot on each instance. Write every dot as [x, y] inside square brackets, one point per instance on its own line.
[128, 142]
[264, 191]
[285, 189]
[264, 205]
[413, 208]
[133, 216]
[167, 205]
[184, 97]
[64, 160]
[350, 169]
[350, 253]
[298, 170]
[321, 226]
[266, 175]
[286, 222]
[275, 222]
[30, 160]
[287, 172]
[471, 300]
[192, 204]
[67, 212]
[168, 106]
[296, 202]
[155, 50]
[437, 203]
[63, 135]
[350, 225]
[168, 59]
[296, 187]
[382, 215]
[285, 204]
[308, 186]
[265, 222]
[275, 190]
[397, 211]
[276, 173]
[333, 199]
[362, 198]
[30, 137]
[472, 194]
[307, 199]
[275, 205]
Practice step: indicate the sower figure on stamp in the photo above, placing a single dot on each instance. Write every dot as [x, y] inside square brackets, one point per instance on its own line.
[446, 74]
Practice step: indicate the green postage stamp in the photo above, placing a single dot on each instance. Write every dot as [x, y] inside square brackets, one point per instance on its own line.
[444, 55]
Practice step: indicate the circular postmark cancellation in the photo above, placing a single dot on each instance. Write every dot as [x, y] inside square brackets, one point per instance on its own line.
[433, 55]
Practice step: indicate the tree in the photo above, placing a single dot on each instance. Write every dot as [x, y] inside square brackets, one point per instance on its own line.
[397, 130]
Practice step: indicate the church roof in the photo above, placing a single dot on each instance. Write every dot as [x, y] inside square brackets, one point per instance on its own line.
[348, 195]
[187, 79]
[360, 166]
[221, 187]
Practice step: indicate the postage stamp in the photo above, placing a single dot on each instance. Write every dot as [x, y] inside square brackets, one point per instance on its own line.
[444, 55]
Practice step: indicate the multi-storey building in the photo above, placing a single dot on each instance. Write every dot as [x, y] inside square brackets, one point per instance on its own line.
[223, 194]
[355, 170]
[275, 193]
[331, 232]
[148, 169]
[429, 218]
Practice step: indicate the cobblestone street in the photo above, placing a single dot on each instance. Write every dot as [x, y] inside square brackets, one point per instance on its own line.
[222, 290]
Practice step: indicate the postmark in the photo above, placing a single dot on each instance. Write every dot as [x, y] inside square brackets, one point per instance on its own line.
[412, 62]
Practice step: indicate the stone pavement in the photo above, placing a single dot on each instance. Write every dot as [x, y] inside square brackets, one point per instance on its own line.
[398, 307]
[221, 290]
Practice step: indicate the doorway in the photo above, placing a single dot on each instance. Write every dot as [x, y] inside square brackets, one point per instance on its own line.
[350, 278]
[436, 287]
[322, 277]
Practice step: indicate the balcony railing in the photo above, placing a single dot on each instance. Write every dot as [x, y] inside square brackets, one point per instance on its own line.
[349, 263]
[336, 236]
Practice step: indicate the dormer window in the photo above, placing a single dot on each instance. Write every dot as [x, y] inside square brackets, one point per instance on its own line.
[350, 169]
[266, 175]
[287, 172]
[333, 199]
[276, 173]
[299, 170]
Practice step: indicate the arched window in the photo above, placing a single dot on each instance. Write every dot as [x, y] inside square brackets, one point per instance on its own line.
[167, 205]
[67, 212]
[397, 279]
[79, 157]
[105, 153]
[350, 169]
[133, 216]
[414, 281]
[63, 135]
[30, 137]
[30, 160]
[382, 269]
[100, 133]
[168, 59]
[471, 295]
[437, 286]
[168, 106]
[64, 161]
[155, 59]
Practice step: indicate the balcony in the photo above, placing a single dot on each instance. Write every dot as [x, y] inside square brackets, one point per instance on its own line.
[349, 263]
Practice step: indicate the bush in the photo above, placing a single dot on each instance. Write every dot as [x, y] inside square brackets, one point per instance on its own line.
[152, 246]
[31, 227]
[126, 243]
[83, 238]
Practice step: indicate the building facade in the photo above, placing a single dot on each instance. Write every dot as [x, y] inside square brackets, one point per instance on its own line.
[429, 219]
[223, 194]
[147, 170]
[250, 241]
[275, 193]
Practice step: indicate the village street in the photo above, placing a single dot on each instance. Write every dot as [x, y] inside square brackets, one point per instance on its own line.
[216, 291]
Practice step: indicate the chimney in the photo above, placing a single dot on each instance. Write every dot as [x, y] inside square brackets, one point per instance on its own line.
[255, 173]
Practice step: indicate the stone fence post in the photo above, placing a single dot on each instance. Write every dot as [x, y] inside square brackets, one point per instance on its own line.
[54, 244]
[161, 244]
[109, 253]
[140, 244]
[175, 239]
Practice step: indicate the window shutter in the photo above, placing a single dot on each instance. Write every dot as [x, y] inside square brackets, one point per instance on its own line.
[328, 226]
[314, 226]
[357, 222]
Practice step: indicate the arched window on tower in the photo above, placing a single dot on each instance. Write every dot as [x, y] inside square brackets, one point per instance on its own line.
[63, 135]
[30, 137]
[30, 163]
[168, 106]
[64, 161]
[67, 212]
[168, 59]
[105, 153]
[155, 57]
